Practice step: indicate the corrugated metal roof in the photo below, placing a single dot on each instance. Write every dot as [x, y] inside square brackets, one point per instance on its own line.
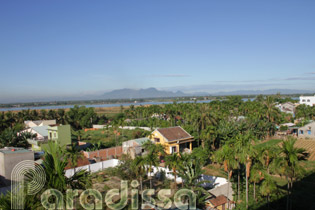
[141, 141]
[42, 130]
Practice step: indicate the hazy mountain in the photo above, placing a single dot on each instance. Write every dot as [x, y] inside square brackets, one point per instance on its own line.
[141, 93]
[264, 92]
[152, 93]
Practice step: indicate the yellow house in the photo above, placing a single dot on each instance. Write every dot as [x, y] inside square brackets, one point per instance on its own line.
[175, 139]
[218, 203]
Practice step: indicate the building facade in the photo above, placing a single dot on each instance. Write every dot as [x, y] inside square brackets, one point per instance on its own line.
[9, 157]
[61, 134]
[307, 131]
[174, 139]
[307, 100]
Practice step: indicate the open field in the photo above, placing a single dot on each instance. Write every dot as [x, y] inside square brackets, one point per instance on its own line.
[309, 145]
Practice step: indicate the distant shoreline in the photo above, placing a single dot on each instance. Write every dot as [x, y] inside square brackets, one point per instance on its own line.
[116, 102]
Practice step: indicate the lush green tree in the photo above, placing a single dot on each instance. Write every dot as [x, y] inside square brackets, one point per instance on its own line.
[267, 188]
[138, 166]
[81, 117]
[226, 156]
[11, 137]
[73, 154]
[173, 163]
[191, 171]
[289, 164]
[55, 162]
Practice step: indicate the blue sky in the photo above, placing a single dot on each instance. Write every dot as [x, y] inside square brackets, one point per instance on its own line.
[70, 48]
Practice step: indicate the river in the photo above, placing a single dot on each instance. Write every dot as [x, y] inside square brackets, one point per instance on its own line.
[101, 105]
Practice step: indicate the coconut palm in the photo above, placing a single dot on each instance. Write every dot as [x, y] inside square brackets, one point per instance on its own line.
[152, 160]
[191, 171]
[55, 162]
[256, 176]
[138, 166]
[244, 154]
[288, 164]
[226, 156]
[268, 187]
[173, 163]
[73, 154]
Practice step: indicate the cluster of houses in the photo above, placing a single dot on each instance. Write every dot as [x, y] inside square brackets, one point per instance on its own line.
[174, 140]
[43, 132]
[305, 132]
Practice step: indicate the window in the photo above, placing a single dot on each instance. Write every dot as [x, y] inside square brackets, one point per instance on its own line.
[157, 140]
[308, 100]
[303, 100]
[55, 135]
[174, 149]
[50, 135]
[301, 132]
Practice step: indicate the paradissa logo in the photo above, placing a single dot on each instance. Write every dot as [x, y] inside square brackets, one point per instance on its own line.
[91, 198]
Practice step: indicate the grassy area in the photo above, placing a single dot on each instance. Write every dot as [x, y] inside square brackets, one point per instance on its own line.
[112, 137]
[271, 142]
[214, 170]
[109, 111]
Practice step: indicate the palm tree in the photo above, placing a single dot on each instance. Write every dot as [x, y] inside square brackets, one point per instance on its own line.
[244, 153]
[267, 188]
[272, 113]
[191, 171]
[226, 156]
[73, 153]
[54, 163]
[151, 159]
[173, 163]
[256, 176]
[138, 165]
[152, 156]
[288, 164]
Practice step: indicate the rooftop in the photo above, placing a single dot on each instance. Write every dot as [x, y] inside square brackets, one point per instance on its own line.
[222, 190]
[141, 141]
[174, 133]
[11, 150]
[218, 201]
[42, 130]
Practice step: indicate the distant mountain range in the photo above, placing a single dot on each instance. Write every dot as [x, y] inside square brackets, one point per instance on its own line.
[154, 93]
[141, 93]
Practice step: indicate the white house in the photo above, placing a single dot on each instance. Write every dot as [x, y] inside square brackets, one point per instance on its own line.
[40, 131]
[30, 123]
[307, 100]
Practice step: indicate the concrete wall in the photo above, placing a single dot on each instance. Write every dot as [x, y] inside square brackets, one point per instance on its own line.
[8, 162]
[123, 127]
[307, 131]
[105, 154]
[93, 167]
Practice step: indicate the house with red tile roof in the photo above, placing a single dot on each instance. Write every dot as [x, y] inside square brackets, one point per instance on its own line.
[174, 139]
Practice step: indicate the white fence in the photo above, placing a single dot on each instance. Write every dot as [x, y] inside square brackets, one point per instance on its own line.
[209, 181]
[124, 127]
[93, 167]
